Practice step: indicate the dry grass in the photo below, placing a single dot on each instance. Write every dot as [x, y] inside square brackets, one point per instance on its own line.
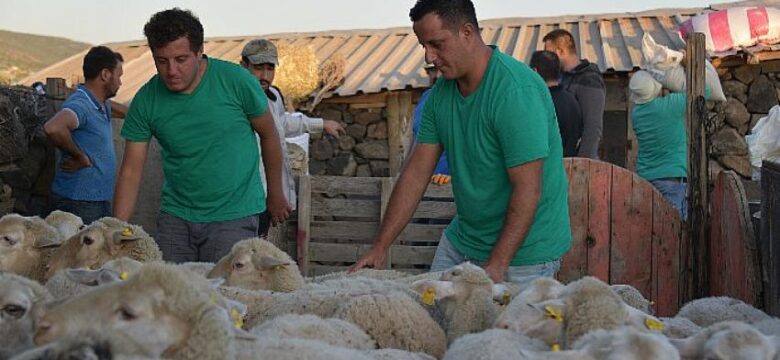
[297, 75]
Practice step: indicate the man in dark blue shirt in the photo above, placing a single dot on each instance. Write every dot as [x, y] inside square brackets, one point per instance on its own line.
[567, 109]
[81, 130]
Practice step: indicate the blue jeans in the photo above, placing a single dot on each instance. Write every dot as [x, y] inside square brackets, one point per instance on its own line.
[676, 192]
[88, 211]
[447, 256]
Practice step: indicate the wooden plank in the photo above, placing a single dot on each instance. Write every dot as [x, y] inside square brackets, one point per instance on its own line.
[387, 190]
[56, 88]
[377, 105]
[368, 209]
[435, 210]
[632, 144]
[334, 185]
[621, 254]
[357, 231]
[304, 222]
[640, 223]
[356, 99]
[770, 236]
[575, 262]
[439, 191]
[326, 252]
[598, 238]
[698, 161]
[412, 255]
[665, 257]
[422, 232]
[407, 120]
[394, 124]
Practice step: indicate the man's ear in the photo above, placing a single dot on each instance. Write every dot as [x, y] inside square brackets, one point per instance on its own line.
[105, 75]
[468, 29]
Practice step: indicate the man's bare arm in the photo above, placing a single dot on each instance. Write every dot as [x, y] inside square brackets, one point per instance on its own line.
[129, 179]
[526, 181]
[58, 130]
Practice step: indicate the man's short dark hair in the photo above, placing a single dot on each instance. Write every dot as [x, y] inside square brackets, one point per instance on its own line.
[99, 58]
[453, 13]
[562, 39]
[169, 25]
[547, 64]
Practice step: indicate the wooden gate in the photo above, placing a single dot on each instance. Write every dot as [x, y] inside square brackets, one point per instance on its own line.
[623, 230]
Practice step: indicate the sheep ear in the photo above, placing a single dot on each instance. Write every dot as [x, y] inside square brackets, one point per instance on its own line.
[216, 282]
[45, 234]
[106, 276]
[688, 348]
[83, 276]
[126, 233]
[436, 288]
[267, 263]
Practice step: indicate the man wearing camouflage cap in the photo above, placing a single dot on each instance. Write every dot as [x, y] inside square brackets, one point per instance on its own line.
[260, 58]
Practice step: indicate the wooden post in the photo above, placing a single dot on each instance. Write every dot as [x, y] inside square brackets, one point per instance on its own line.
[400, 113]
[56, 88]
[304, 223]
[698, 171]
[632, 144]
[387, 190]
[769, 243]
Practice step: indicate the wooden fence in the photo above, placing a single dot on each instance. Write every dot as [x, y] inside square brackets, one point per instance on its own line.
[770, 236]
[623, 230]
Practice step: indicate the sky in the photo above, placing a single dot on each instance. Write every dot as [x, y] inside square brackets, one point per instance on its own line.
[105, 21]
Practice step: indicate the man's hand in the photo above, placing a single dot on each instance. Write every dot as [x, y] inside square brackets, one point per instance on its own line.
[441, 179]
[333, 128]
[495, 271]
[72, 164]
[375, 258]
[277, 208]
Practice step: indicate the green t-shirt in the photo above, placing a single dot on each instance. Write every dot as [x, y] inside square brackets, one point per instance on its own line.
[209, 150]
[508, 121]
[660, 130]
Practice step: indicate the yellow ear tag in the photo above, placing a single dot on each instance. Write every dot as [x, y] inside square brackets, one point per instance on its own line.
[553, 313]
[506, 297]
[428, 296]
[555, 348]
[123, 275]
[655, 325]
[127, 231]
[212, 298]
[238, 321]
[277, 267]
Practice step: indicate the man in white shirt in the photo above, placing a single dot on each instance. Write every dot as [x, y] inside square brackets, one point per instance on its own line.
[260, 58]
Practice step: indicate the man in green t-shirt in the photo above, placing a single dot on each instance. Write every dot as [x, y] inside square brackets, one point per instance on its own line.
[495, 118]
[204, 113]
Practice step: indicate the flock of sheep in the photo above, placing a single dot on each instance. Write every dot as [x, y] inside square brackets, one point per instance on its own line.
[101, 291]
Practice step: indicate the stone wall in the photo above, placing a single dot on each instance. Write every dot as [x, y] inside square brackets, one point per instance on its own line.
[363, 151]
[751, 90]
[26, 159]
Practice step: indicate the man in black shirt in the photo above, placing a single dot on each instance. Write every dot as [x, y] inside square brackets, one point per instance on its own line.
[567, 109]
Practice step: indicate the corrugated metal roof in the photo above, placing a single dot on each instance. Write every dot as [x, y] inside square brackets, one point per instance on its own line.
[391, 59]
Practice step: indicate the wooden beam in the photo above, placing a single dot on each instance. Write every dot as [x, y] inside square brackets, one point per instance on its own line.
[632, 144]
[400, 113]
[304, 223]
[56, 88]
[698, 171]
[387, 189]
[357, 99]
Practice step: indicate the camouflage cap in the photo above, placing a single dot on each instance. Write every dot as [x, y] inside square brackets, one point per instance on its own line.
[260, 51]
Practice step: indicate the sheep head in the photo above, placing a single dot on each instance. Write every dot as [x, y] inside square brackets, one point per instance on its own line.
[22, 242]
[67, 224]
[112, 271]
[96, 244]
[21, 302]
[728, 340]
[161, 307]
[256, 264]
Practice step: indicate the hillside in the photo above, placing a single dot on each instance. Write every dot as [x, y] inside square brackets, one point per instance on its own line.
[22, 54]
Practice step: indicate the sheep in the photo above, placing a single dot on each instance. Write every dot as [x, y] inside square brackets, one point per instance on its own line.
[67, 224]
[26, 245]
[516, 314]
[494, 344]
[169, 311]
[21, 301]
[768, 326]
[465, 294]
[72, 282]
[733, 340]
[633, 297]
[679, 327]
[332, 331]
[88, 345]
[618, 344]
[103, 240]
[708, 311]
[379, 274]
[293, 349]
[257, 264]
[200, 268]
[391, 317]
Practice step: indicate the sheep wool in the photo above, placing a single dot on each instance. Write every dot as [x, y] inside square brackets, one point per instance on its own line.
[709, 311]
[332, 331]
[257, 264]
[493, 344]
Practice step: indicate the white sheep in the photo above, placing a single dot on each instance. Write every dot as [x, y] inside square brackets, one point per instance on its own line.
[493, 344]
[72, 282]
[466, 296]
[257, 264]
[89, 345]
[67, 224]
[200, 268]
[103, 240]
[21, 301]
[768, 326]
[332, 331]
[708, 311]
[732, 340]
[679, 327]
[633, 297]
[26, 245]
[391, 317]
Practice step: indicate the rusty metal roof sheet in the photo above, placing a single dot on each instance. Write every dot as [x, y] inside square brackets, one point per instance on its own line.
[391, 59]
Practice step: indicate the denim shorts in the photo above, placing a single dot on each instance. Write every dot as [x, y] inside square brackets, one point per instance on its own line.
[447, 256]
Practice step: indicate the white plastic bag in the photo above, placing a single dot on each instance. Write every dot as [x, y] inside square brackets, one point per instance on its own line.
[664, 64]
[764, 141]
